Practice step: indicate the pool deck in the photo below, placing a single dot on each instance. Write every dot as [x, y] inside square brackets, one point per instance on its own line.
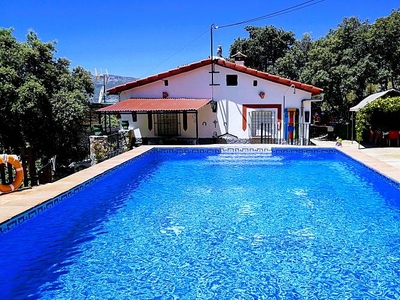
[385, 160]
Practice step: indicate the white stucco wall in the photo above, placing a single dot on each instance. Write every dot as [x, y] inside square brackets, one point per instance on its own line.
[196, 84]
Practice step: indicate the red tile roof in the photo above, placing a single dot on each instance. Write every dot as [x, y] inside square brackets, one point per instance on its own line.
[240, 68]
[150, 104]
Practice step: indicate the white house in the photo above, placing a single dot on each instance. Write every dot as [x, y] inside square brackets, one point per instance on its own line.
[215, 100]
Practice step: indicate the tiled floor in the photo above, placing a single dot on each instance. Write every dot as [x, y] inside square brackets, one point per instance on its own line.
[384, 160]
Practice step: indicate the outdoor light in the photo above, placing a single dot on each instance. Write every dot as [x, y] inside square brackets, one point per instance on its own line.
[214, 106]
[262, 95]
[292, 86]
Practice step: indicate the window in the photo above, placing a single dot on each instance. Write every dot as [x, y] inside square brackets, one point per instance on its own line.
[168, 124]
[166, 83]
[265, 117]
[255, 83]
[231, 80]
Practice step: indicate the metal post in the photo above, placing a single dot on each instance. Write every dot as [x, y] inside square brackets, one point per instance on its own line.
[105, 123]
[262, 131]
[197, 128]
[104, 89]
[283, 115]
[292, 86]
[352, 126]
[212, 55]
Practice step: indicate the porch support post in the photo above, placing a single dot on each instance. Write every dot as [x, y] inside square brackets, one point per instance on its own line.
[109, 123]
[105, 122]
[352, 126]
[197, 127]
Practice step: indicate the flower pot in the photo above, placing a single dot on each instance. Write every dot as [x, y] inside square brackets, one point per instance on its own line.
[97, 129]
[125, 124]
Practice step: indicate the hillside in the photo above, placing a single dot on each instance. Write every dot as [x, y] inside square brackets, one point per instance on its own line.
[113, 80]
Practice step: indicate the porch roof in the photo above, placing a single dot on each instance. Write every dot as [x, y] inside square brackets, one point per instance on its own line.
[147, 104]
[373, 97]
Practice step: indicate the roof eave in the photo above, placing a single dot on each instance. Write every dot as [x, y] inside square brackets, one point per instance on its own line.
[221, 62]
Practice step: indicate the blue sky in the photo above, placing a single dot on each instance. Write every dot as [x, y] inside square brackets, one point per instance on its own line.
[140, 38]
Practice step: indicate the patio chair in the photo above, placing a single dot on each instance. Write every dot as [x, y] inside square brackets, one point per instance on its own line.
[371, 136]
[375, 136]
[137, 137]
[393, 135]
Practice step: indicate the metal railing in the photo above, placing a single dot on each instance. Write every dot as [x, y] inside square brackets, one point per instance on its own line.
[296, 134]
[118, 143]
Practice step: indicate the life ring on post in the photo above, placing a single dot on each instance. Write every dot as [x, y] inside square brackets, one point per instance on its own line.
[19, 176]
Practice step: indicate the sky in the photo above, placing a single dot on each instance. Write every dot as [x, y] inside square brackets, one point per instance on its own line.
[140, 38]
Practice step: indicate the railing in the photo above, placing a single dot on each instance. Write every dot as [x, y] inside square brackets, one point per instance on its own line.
[296, 134]
[118, 143]
[103, 147]
[32, 175]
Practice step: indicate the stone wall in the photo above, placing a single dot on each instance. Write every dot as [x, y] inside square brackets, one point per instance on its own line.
[103, 147]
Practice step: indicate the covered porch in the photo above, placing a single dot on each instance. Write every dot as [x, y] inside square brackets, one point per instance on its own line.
[159, 120]
[377, 119]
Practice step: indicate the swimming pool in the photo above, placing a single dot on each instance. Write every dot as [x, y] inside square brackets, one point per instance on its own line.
[214, 224]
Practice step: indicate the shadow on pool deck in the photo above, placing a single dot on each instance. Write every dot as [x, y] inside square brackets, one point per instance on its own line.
[385, 160]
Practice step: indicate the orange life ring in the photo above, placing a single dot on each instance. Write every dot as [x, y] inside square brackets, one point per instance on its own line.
[19, 177]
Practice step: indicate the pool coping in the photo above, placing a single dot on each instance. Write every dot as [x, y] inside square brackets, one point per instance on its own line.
[19, 206]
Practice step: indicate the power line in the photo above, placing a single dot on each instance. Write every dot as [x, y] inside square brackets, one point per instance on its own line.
[270, 15]
[181, 49]
[274, 14]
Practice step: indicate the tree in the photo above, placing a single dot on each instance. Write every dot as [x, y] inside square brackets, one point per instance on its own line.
[42, 102]
[263, 47]
[349, 63]
[385, 50]
[292, 64]
[341, 64]
[381, 113]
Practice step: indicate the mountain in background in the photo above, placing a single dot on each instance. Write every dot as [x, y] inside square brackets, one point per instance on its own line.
[113, 80]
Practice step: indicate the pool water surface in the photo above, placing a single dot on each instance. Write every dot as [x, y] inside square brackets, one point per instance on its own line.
[214, 224]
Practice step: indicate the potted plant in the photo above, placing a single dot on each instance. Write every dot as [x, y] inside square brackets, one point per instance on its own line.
[125, 124]
[97, 129]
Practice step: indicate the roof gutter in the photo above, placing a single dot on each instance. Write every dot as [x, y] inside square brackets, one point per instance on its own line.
[312, 100]
[302, 114]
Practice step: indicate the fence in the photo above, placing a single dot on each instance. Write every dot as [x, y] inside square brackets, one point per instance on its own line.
[32, 175]
[293, 134]
[103, 147]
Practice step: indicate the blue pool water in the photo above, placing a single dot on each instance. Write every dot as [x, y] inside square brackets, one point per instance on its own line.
[212, 224]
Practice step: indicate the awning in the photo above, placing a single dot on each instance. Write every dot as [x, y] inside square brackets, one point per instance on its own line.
[160, 105]
[373, 97]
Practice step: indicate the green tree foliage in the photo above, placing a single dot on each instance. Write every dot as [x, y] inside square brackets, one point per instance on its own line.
[292, 64]
[42, 102]
[385, 50]
[264, 46]
[340, 64]
[349, 63]
[378, 114]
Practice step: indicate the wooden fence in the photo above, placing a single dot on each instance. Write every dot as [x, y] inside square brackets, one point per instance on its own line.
[32, 175]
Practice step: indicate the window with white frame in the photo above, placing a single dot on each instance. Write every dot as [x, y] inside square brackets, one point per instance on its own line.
[262, 119]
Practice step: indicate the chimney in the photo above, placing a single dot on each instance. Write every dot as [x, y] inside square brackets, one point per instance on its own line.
[219, 51]
[239, 58]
